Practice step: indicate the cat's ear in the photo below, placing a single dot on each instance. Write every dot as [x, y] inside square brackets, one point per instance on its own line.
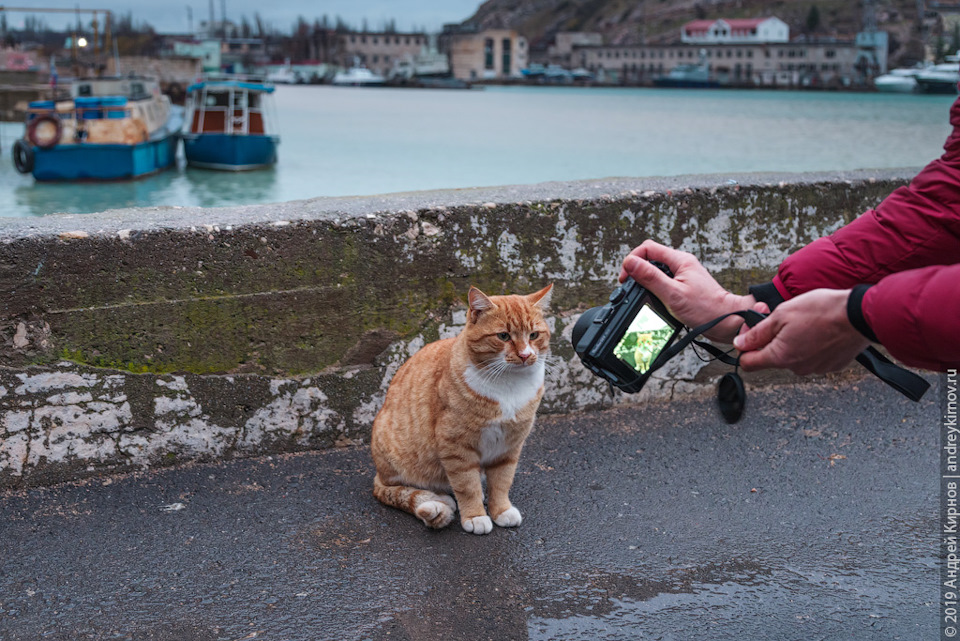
[542, 298]
[479, 303]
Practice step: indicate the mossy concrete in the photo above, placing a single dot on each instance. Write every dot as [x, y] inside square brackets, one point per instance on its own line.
[150, 336]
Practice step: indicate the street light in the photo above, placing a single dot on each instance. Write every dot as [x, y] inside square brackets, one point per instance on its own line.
[81, 42]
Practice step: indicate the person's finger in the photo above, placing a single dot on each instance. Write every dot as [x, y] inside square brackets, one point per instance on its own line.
[763, 308]
[646, 274]
[757, 337]
[759, 359]
[640, 251]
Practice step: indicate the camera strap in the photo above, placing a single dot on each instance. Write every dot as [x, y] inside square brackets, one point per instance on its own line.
[904, 381]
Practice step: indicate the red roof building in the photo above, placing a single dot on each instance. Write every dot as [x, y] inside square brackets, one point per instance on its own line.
[735, 31]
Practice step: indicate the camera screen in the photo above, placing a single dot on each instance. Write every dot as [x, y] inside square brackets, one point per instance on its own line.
[643, 341]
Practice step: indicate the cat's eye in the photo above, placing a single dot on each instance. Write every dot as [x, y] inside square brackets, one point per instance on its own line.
[534, 336]
[504, 336]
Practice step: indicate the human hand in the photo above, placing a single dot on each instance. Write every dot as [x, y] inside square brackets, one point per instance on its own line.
[692, 295]
[808, 334]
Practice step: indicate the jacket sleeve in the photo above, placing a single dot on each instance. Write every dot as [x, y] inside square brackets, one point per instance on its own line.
[915, 227]
[916, 315]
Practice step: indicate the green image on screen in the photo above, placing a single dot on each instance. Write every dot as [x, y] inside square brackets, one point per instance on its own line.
[643, 341]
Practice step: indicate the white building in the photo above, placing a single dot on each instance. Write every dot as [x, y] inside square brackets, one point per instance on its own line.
[735, 31]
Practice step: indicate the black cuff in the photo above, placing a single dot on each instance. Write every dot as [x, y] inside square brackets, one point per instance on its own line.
[767, 293]
[855, 312]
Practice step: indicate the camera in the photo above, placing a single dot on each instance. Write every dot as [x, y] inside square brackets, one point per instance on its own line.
[622, 340]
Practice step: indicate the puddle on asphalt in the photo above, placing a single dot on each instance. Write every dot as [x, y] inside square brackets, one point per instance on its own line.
[750, 603]
[424, 590]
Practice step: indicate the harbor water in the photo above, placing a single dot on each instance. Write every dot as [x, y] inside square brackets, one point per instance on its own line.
[347, 141]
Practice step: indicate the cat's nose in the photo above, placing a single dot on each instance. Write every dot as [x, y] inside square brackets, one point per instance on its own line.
[523, 357]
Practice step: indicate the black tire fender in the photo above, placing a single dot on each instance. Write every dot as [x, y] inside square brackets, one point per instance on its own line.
[23, 156]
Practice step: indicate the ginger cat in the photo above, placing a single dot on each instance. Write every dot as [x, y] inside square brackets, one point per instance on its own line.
[463, 407]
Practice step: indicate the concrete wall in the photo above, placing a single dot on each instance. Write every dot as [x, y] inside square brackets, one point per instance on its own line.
[160, 335]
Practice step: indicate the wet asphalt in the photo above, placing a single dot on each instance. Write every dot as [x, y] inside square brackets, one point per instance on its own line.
[813, 518]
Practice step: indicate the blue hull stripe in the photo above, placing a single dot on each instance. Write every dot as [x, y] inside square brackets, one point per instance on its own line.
[222, 150]
[104, 162]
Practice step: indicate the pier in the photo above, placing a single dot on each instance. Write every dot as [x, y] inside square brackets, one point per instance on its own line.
[158, 336]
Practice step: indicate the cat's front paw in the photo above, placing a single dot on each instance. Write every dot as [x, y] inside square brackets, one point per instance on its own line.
[478, 524]
[509, 518]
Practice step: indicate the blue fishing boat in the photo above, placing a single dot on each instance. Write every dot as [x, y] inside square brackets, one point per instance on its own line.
[230, 125]
[109, 129]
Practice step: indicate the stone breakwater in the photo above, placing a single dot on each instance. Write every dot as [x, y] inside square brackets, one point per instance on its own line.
[154, 336]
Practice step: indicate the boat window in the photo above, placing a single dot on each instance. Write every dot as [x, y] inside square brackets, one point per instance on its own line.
[253, 99]
[84, 90]
[137, 90]
[239, 99]
[217, 99]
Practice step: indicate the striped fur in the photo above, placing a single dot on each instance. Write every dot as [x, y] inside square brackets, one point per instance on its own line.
[461, 408]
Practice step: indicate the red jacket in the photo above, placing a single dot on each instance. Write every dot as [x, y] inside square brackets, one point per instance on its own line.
[909, 248]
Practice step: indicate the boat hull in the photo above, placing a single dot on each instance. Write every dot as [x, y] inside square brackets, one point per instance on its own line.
[898, 85]
[686, 83]
[230, 152]
[925, 85]
[104, 161]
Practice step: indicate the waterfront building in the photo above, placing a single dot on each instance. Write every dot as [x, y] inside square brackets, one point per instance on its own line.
[742, 52]
[207, 51]
[491, 54]
[377, 51]
[735, 31]
[792, 64]
[561, 51]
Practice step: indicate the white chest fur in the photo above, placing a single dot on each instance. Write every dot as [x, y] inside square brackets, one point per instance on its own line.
[513, 389]
[493, 444]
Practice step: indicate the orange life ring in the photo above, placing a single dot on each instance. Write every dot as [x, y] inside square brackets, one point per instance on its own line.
[45, 138]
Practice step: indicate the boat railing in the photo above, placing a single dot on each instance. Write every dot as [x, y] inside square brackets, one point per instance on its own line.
[80, 113]
[228, 120]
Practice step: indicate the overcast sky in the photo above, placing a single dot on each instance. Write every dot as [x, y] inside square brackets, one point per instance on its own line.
[171, 17]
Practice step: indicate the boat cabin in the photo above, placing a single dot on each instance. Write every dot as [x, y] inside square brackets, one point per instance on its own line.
[232, 108]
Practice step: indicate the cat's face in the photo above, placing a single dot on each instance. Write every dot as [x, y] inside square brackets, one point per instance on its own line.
[508, 331]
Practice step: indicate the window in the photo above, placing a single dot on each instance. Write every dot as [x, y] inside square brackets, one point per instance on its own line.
[488, 54]
[505, 54]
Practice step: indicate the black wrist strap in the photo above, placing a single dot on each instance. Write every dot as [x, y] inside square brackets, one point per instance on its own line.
[904, 381]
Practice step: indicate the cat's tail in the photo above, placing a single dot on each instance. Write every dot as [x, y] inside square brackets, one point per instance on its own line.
[435, 510]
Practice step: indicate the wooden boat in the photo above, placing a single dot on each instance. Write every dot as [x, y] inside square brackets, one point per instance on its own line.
[109, 129]
[227, 125]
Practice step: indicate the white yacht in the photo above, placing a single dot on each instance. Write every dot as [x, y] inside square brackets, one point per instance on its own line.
[358, 76]
[941, 78]
[903, 80]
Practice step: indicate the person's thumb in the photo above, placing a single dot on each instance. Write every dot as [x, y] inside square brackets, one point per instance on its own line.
[757, 337]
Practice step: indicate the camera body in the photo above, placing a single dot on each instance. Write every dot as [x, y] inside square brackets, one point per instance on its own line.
[622, 340]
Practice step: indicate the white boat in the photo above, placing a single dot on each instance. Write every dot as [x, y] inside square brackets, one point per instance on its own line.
[941, 78]
[429, 63]
[358, 76]
[284, 75]
[903, 80]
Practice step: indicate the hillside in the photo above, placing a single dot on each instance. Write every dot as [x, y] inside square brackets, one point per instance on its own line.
[659, 21]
